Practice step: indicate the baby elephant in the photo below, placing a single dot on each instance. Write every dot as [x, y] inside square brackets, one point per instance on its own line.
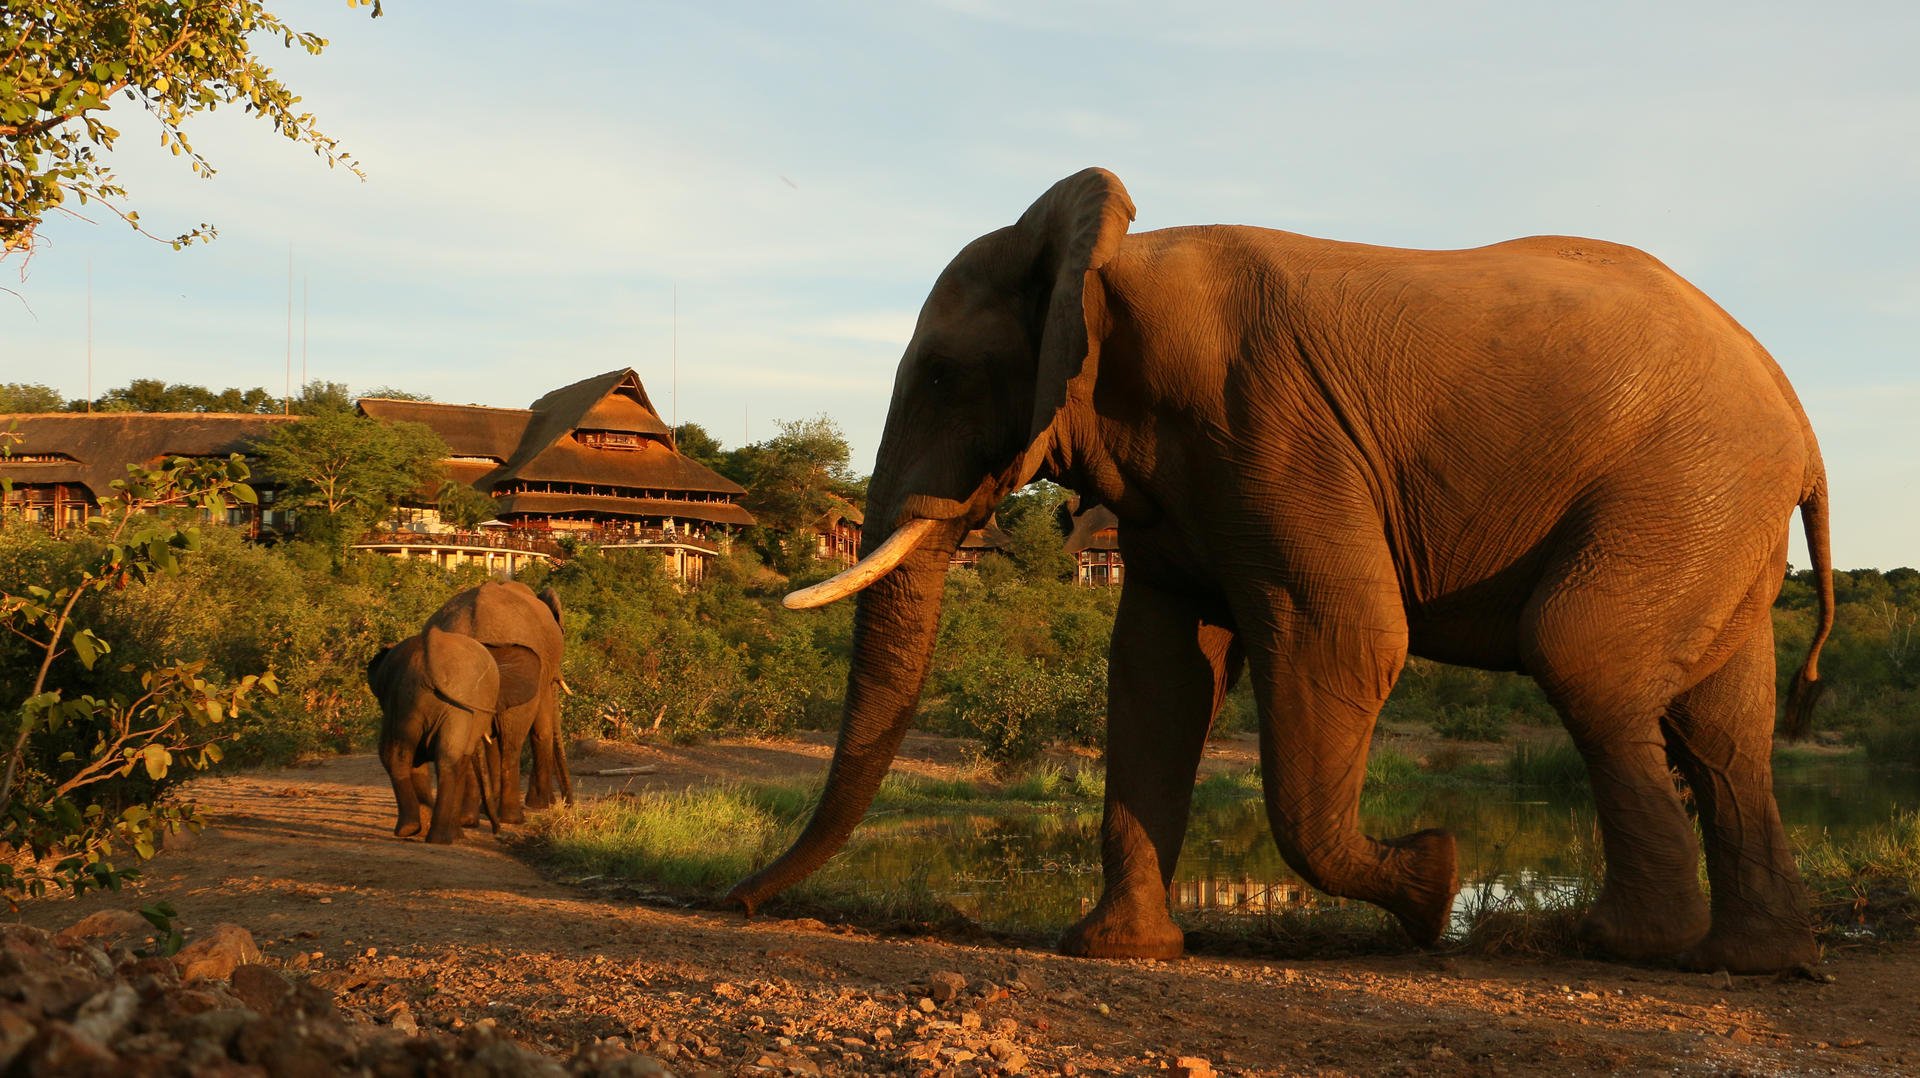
[438, 693]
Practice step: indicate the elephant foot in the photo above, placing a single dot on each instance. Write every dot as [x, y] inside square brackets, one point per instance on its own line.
[1644, 932]
[1429, 877]
[539, 799]
[1114, 930]
[515, 814]
[406, 829]
[443, 839]
[1742, 952]
[471, 819]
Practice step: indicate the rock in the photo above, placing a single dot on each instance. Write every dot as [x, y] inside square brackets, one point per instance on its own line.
[970, 1020]
[15, 1033]
[1440, 1053]
[925, 1005]
[945, 986]
[1014, 1063]
[261, 988]
[1191, 1067]
[107, 1013]
[225, 948]
[62, 1049]
[105, 925]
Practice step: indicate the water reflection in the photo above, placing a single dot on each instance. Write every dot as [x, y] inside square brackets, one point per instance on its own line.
[1038, 870]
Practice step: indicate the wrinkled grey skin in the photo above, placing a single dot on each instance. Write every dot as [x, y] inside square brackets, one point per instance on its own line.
[438, 694]
[521, 631]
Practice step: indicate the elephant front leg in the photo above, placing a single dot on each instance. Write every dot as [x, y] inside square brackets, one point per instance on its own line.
[1321, 674]
[1167, 676]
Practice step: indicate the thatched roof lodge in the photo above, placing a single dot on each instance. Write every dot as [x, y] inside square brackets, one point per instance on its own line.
[593, 460]
[63, 464]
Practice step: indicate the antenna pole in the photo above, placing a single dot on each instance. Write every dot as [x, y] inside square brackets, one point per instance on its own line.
[89, 334]
[676, 359]
[286, 405]
[304, 307]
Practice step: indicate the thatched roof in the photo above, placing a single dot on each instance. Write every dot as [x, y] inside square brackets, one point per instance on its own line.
[1095, 529]
[550, 505]
[991, 537]
[98, 447]
[539, 444]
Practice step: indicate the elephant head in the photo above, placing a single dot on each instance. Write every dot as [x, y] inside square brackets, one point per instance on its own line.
[980, 405]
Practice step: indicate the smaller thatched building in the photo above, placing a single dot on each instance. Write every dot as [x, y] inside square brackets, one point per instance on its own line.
[63, 464]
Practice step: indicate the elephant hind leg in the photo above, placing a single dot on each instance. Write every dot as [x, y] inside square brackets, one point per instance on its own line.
[454, 775]
[1598, 655]
[1722, 733]
[398, 761]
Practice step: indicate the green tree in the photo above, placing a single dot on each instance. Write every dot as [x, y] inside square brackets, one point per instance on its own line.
[1031, 519]
[30, 397]
[463, 506]
[392, 394]
[347, 471]
[155, 395]
[84, 775]
[63, 61]
[696, 443]
[793, 479]
[317, 396]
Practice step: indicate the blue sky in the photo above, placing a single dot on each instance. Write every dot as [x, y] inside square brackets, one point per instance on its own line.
[542, 177]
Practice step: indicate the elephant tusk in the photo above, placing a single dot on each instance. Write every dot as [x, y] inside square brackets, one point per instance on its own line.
[870, 568]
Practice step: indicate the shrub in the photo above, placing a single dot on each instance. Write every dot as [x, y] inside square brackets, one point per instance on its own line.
[1475, 722]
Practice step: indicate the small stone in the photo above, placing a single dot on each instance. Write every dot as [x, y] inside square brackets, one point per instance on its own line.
[105, 925]
[1006, 1027]
[1015, 1062]
[1440, 1053]
[945, 985]
[226, 947]
[969, 1020]
[15, 1032]
[883, 1033]
[1103, 1009]
[1068, 1070]
[1000, 1049]
[1191, 1067]
[371, 951]
[925, 1005]
[261, 988]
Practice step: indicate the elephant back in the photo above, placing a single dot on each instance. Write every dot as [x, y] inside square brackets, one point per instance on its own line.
[504, 614]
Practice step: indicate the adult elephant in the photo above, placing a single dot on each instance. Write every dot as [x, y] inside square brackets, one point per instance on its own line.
[438, 693]
[521, 631]
[1550, 455]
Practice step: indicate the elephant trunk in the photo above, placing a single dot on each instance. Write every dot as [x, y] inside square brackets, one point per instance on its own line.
[895, 623]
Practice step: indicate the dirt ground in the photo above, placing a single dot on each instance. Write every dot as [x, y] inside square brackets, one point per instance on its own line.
[471, 934]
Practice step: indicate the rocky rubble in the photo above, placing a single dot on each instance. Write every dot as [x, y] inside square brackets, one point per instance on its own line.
[84, 1001]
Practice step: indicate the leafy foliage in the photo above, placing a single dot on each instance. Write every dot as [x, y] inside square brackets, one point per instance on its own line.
[30, 397]
[84, 774]
[349, 471]
[65, 60]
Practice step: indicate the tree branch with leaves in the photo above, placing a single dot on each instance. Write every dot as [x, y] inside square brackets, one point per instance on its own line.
[65, 63]
[83, 775]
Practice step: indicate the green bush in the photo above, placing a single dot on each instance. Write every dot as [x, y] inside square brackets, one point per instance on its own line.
[1473, 722]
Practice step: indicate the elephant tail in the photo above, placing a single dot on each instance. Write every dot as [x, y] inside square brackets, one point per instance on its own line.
[1807, 686]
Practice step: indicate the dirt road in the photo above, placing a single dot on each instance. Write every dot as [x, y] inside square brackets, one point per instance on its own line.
[468, 934]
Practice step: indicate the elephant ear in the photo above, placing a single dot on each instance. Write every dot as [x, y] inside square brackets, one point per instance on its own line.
[1075, 228]
[460, 670]
[552, 599]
